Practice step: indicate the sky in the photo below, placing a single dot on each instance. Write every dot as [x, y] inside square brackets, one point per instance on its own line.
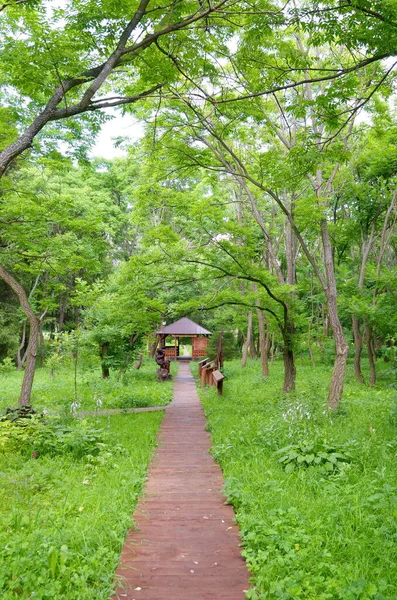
[121, 126]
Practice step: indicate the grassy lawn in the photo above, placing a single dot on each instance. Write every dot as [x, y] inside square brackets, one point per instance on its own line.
[64, 514]
[318, 519]
[127, 390]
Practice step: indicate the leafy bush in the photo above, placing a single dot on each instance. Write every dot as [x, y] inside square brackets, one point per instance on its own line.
[321, 453]
[41, 435]
[7, 366]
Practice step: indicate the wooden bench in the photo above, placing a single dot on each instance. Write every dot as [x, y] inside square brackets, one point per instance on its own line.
[218, 378]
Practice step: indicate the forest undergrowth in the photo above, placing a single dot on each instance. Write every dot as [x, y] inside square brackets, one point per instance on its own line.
[68, 490]
[314, 491]
[68, 486]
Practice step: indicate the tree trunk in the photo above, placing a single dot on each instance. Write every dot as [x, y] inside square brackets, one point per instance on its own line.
[341, 346]
[247, 340]
[62, 310]
[358, 338]
[369, 338]
[252, 349]
[152, 347]
[34, 327]
[289, 361]
[264, 343]
[21, 358]
[272, 348]
[358, 347]
[41, 344]
[138, 363]
[290, 251]
[104, 349]
[289, 370]
[309, 344]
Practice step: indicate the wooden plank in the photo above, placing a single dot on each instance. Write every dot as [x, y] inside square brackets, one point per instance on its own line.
[217, 375]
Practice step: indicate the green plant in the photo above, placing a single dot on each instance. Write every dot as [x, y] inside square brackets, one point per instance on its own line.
[41, 435]
[7, 365]
[54, 362]
[323, 454]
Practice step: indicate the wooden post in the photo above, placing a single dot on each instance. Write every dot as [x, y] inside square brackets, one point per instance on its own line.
[208, 372]
[206, 369]
[201, 365]
[203, 375]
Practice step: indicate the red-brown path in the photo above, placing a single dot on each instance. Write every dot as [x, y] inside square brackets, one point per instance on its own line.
[186, 545]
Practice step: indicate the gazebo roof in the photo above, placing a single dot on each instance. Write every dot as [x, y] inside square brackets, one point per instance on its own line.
[183, 326]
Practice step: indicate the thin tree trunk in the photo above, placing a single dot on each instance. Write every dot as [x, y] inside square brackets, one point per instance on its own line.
[289, 362]
[34, 328]
[272, 349]
[138, 363]
[152, 347]
[41, 344]
[62, 310]
[290, 250]
[358, 339]
[309, 343]
[264, 343]
[21, 359]
[252, 349]
[369, 338]
[341, 346]
[358, 345]
[323, 336]
[247, 340]
[104, 349]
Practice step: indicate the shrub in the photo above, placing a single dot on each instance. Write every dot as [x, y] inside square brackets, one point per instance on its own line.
[316, 454]
[7, 366]
[41, 435]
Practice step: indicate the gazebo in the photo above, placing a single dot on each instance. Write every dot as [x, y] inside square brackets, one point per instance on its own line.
[184, 329]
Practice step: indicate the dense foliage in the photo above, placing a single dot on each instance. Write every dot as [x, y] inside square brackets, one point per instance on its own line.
[314, 494]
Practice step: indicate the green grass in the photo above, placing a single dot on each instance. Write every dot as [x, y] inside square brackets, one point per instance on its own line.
[63, 517]
[127, 390]
[68, 487]
[308, 532]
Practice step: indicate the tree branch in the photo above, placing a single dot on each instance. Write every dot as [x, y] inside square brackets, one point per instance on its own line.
[15, 3]
[338, 73]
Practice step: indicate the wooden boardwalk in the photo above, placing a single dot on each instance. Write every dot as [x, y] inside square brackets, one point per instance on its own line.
[186, 543]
